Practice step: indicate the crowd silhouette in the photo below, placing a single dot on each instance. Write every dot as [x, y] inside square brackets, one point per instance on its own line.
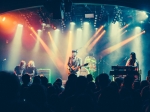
[79, 94]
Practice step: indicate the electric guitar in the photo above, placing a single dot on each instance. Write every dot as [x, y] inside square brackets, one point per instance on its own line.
[74, 70]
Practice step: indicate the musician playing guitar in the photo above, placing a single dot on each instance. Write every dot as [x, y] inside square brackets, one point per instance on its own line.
[31, 69]
[20, 70]
[74, 63]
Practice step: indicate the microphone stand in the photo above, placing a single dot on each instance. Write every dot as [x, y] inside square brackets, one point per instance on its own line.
[103, 62]
[122, 61]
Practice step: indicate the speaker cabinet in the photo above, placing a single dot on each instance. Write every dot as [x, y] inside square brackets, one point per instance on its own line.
[46, 73]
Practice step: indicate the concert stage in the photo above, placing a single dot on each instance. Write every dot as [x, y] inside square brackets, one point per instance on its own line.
[110, 33]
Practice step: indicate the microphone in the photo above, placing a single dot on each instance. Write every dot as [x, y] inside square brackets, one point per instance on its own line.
[122, 61]
[125, 58]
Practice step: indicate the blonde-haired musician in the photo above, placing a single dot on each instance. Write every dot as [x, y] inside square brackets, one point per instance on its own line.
[31, 69]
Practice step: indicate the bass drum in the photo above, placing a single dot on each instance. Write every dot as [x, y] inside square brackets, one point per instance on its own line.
[83, 72]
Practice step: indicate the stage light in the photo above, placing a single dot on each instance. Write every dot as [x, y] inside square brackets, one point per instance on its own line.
[86, 23]
[141, 21]
[39, 30]
[72, 23]
[20, 25]
[72, 26]
[79, 29]
[143, 13]
[3, 19]
[57, 30]
[141, 16]
[137, 30]
[43, 24]
[39, 33]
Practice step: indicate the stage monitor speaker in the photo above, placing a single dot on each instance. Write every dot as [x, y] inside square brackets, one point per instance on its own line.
[46, 73]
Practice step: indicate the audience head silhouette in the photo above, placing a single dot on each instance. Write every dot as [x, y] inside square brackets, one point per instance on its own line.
[9, 86]
[26, 79]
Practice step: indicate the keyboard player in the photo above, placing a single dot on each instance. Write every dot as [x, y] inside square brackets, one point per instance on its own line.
[132, 61]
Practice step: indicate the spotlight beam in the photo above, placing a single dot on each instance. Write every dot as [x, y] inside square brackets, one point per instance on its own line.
[92, 38]
[57, 62]
[115, 47]
[69, 49]
[124, 27]
[82, 53]
[55, 48]
[95, 41]
[53, 43]
[123, 33]
[16, 47]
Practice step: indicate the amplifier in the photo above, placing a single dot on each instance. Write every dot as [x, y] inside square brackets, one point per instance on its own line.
[45, 72]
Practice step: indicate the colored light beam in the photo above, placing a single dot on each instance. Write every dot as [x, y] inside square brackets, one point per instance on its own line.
[3, 19]
[115, 47]
[37, 43]
[118, 37]
[69, 49]
[95, 41]
[55, 48]
[83, 51]
[15, 48]
[55, 60]
[92, 38]
[53, 43]
[124, 27]
[123, 32]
